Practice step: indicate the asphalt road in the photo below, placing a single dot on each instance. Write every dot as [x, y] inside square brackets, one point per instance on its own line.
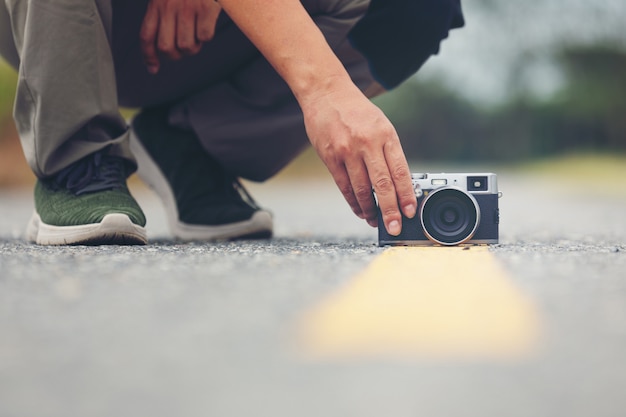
[183, 330]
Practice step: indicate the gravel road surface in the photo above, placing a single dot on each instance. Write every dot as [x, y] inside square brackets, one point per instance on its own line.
[187, 330]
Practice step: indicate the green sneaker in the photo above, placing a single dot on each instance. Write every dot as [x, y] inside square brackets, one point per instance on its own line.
[201, 199]
[87, 203]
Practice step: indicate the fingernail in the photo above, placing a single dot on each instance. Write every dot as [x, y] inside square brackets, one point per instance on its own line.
[394, 228]
[372, 223]
[153, 69]
[410, 210]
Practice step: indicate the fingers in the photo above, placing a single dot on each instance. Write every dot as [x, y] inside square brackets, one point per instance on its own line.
[385, 189]
[387, 172]
[158, 35]
[401, 177]
[383, 170]
[176, 29]
[186, 41]
[361, 189]
[389, 176]
[167, 40]
[207, 21]
[147, 39]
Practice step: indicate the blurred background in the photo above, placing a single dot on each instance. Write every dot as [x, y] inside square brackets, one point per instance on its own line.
[539, 80]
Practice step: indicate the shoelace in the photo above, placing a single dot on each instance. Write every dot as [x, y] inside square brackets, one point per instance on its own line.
[96, 172]
[235, 185]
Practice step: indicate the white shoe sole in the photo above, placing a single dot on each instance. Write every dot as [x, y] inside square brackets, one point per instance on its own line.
[259, 225]
[114, 229]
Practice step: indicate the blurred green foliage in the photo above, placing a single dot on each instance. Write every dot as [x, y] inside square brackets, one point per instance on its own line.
[8, 79]
[588, 114]
[436, 123]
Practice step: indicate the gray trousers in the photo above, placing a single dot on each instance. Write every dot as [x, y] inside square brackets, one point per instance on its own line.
[79, 60]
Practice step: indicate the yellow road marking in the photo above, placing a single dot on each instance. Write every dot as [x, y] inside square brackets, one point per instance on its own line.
[435, 302]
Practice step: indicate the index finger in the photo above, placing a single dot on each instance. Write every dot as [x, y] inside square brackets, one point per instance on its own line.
[391, 179]
[401, 177]
[386, 195]
[147, 39]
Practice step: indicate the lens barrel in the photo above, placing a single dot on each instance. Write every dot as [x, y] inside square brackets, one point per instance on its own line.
[449, 216]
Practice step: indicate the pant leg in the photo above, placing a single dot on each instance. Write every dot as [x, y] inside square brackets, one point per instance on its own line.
[251, 122]
[66, 103]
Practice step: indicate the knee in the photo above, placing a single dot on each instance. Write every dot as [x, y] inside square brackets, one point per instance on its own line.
[445, 15]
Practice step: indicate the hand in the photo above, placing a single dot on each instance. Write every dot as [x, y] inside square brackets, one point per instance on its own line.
[362, 151]
[176, 28]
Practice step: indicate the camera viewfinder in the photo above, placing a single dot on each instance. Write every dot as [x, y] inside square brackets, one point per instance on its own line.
[477, 184]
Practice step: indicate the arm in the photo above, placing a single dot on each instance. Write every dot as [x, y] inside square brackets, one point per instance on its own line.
[353, 137]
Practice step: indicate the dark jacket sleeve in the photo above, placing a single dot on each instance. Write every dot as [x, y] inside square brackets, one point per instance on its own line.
[398, 36]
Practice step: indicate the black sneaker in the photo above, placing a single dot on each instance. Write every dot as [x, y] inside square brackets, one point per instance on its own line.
[202, 201]
[87, 203]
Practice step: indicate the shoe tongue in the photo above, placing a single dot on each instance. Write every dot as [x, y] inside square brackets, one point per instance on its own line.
[96, 172]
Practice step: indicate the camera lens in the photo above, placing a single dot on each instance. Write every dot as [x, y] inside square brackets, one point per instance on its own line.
[449, 216]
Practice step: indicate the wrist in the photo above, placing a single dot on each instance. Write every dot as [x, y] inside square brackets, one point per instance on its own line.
[315, 88]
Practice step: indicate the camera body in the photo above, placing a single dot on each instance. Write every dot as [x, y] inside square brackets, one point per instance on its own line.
[452, 209]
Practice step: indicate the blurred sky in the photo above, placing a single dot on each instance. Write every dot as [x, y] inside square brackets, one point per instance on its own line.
[505, 37]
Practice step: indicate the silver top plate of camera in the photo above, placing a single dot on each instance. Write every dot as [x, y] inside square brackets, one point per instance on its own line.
[476, 183]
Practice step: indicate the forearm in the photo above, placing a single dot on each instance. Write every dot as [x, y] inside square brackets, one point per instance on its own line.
[352, 136]
[292, 43]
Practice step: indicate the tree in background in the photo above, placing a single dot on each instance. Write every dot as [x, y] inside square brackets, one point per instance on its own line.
[585, 114]
[595, 95]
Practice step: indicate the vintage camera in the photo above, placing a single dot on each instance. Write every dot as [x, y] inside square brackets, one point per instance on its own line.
[452, 209]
